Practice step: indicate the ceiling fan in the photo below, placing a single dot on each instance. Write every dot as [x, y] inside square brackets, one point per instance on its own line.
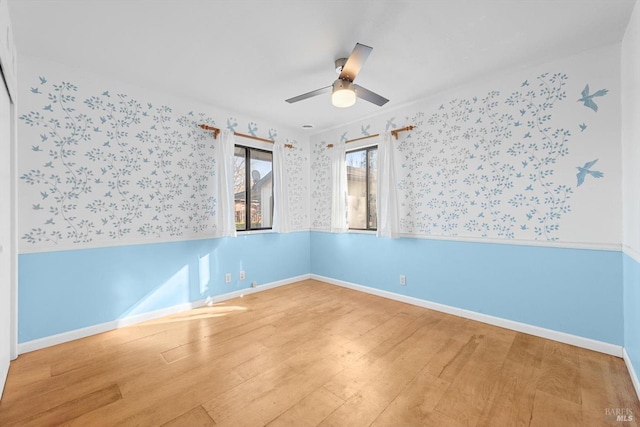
[343, 90]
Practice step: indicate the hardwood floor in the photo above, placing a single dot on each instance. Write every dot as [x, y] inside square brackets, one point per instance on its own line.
[312, 354]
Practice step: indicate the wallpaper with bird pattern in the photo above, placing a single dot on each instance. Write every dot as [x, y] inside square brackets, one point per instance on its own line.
[103, 167]
[506, 163]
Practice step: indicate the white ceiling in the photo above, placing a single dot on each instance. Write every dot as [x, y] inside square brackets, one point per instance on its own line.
[249, 56]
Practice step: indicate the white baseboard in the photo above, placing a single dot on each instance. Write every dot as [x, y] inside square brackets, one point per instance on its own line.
[602, 347]
[52, 340]
[632, 372]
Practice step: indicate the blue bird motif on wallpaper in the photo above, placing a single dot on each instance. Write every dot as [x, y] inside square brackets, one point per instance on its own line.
[525, 83]
[587, 99]
[43, 137]
[586, 170]
[232, 124]
[44, 195]
[37, 207]
[390, 124]
[582, 127]
[252, 128]
[106, 93]
[48, 108]
[42, 80]
[35, 148]
[365, 130]
[35, 90]
[523, 112]
[343, 137]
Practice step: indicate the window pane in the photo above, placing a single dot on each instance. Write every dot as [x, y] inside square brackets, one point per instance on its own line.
[373, 214]
[261, 165]
[357, 189]
[239, 188]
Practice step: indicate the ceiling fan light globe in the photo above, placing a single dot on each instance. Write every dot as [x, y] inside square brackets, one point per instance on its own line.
[343, 94]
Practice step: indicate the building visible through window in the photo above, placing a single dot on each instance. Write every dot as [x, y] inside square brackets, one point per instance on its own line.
[255, 167]
[361, 188]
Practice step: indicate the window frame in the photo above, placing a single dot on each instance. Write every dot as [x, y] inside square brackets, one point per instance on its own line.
[367, 149]
[247, 189]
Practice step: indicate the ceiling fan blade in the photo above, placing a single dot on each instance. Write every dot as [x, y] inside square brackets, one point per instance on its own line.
[354, 62]
[372, 97]
[309, 94]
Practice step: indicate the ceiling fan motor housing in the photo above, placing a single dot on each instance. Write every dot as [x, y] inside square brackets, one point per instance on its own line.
[340, 64]
[341, 84]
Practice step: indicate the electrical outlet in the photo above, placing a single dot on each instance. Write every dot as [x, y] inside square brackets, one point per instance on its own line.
[254, 284]
[242, 275]
[403, 280]
[227, 278]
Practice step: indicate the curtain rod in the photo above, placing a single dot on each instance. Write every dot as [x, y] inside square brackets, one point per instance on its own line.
[394, 132]
[216, 132]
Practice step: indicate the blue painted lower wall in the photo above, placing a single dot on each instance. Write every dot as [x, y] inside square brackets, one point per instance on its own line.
[631, 289]
[574, 291]
[68, 290]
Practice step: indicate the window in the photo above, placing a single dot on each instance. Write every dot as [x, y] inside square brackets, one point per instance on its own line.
[255, 167]
[361, 188]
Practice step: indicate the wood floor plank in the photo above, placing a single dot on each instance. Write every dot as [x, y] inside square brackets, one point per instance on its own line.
[284, 395]
[309, 411]
[312, 354]
[73, 408]
[560, 372]
[233, 401]
[196, 417]
[415, 403]
[511, 402]
[473, 385]
[549, 411]
[363, 407]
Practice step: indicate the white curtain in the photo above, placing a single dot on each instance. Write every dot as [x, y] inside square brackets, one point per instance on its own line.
[339, 222]
[225, 166]
[387, 200]
[280, 194]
